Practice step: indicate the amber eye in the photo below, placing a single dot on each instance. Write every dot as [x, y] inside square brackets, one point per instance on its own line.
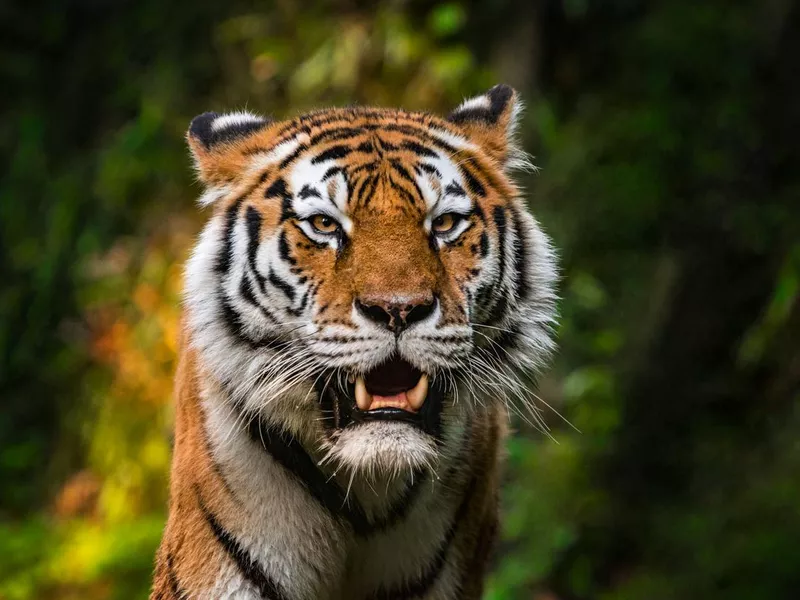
[446, 222]
[324, 224]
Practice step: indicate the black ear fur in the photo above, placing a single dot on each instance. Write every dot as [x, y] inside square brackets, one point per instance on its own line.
[487, 112]
[236, 125]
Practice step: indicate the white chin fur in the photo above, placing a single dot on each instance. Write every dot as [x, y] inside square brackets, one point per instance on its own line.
[381, 449]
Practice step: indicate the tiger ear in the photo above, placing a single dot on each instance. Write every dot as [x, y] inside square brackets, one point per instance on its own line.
[491, 120]
[217, 143]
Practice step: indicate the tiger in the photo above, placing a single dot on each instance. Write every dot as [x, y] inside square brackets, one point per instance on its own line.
[360, 315]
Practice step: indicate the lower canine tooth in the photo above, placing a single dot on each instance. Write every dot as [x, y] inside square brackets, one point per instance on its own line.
[363, 397]
[416, 396]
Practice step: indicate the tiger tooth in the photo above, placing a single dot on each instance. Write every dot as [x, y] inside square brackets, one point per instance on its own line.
[416, 396]
[363, 397]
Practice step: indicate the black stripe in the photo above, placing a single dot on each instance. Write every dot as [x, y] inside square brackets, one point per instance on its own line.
[419, 149]
[475, 186]
[324, 117]
[277, 189]
[365, 147]
[339, 133]
[407, 196]
[225, 256]
[520, 257]
[251, 570]
[359, 185]
[308, 192]
[282, 285]
[235, 326]
[283, 249]
[334, 152]
[403, 172]
[287, 451]
[331, 172]
[507, 340]
[481, 171]
[290, 454]
[293, 156]
[367, 193]
[499, 309]
[175, 587]
[484, 244]
[454, 189]
[423, 134]
[253, 218]
[246, 291]
[499, 217]
[471, 115]
[415, 588]
[430, 169]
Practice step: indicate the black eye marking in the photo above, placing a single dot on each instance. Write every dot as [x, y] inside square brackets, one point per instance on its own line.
[331, 172]
[430, 169]
[309, 192]
[454, 189]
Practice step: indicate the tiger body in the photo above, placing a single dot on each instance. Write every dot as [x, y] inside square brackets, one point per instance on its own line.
[356, 313]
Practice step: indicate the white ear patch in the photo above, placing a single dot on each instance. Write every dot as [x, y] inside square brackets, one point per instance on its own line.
[493, 108]
[498, 111]
[211, 129]
[477, 102]
[235, 120]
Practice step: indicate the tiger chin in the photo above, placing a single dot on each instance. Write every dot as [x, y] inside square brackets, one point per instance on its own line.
[359, 313]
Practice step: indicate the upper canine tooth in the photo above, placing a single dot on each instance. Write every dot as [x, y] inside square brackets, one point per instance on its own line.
[416, 396]
[363, 397]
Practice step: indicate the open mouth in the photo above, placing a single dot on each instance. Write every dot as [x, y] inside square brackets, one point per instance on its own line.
[393, 391]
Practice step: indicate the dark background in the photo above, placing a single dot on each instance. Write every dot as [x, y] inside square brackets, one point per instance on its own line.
[667, 136]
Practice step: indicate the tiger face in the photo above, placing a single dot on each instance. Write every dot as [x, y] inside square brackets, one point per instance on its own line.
[369, 278]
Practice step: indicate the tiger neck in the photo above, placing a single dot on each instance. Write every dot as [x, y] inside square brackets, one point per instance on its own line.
[251, 449]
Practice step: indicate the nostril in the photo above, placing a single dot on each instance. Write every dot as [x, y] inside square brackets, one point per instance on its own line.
[396, 316]
[419, 312]
[375, 312]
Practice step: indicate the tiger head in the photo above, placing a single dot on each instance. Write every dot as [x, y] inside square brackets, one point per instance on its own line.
[370, 278]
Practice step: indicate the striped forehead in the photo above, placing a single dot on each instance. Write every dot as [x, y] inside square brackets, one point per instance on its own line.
[331, 178]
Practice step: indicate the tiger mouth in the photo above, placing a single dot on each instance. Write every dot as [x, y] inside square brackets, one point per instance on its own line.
[393, 391]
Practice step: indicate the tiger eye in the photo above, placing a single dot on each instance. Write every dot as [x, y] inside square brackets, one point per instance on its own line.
[444, 223]
[324, 224]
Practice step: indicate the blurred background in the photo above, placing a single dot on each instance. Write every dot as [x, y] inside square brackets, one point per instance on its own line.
[667, 136]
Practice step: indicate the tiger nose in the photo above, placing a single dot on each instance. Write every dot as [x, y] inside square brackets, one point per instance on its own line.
[397, 315]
